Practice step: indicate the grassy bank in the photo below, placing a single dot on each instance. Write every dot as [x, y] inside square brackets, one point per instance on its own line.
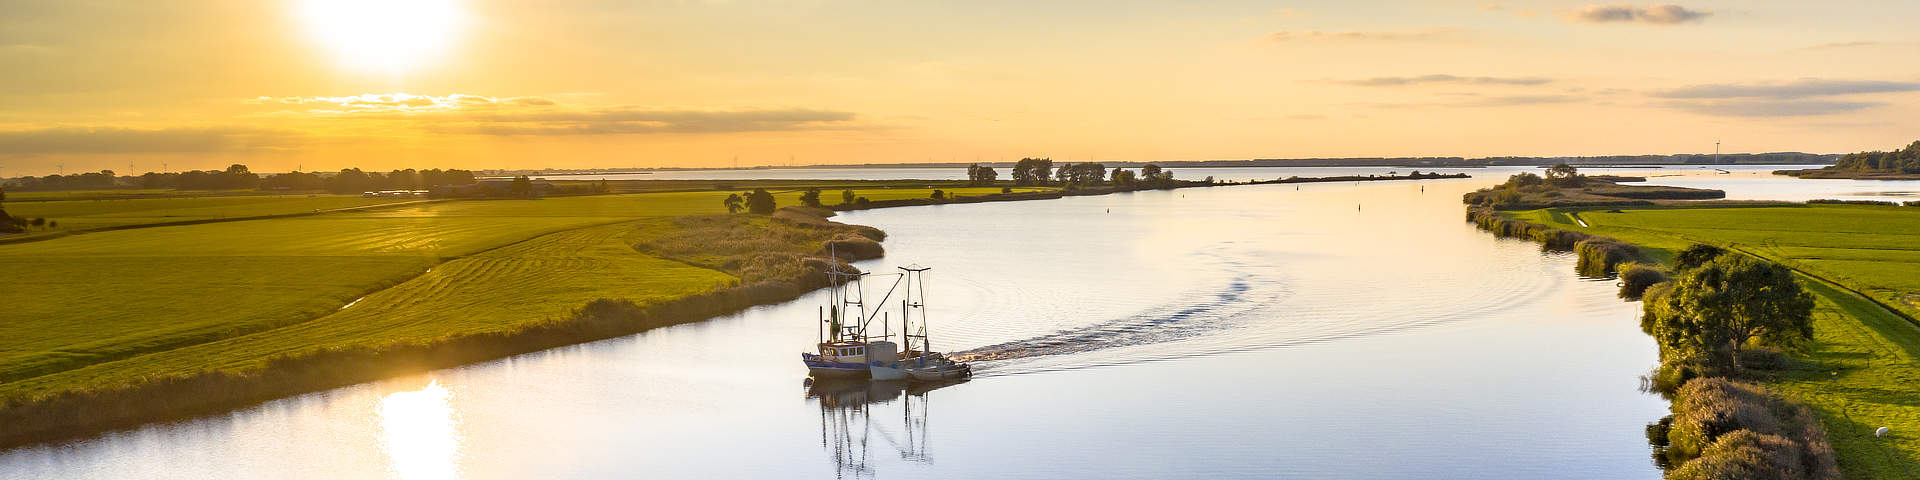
[554, 289]
[1859, 261]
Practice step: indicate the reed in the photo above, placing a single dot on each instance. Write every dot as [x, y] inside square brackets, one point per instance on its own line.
[1636, 277]
[1726, 429]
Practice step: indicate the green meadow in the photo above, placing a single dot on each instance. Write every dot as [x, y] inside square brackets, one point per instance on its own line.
[119, 307]
[88, 213]
[1862, 371]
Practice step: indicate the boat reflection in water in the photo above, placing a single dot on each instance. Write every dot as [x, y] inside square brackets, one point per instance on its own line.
[857, 415]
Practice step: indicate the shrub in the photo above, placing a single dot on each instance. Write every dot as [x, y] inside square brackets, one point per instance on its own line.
[1599, 255]
[1726, 429]
[1635, 277]
[1696, 255]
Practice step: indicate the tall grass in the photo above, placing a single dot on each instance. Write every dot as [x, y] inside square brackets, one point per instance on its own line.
[1636, 277]
[1722, 429]
[1599, 255]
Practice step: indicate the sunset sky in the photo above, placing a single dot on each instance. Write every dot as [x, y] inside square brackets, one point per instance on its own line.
[384, 84]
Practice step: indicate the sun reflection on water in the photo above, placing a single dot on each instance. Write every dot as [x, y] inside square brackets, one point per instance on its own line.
[420, 433]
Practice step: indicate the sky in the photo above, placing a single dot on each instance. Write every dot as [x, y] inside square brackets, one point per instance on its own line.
[321, 85]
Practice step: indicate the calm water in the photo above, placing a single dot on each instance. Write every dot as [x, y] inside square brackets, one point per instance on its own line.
[1319, 331]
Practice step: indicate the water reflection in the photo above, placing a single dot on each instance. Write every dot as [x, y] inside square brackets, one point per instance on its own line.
[420, 434]
[849, 427]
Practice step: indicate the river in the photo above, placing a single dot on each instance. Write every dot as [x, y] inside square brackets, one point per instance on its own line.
[1334, 330]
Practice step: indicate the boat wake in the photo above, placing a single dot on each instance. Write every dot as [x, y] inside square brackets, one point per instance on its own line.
[1247, 288]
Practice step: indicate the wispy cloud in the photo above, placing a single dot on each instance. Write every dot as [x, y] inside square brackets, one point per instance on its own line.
[110, 140]
[1803, 88]
[1431, 33]
[1802, 97]
[1444, 79]
[1668, 14]
[1773, 108]
[482, 115]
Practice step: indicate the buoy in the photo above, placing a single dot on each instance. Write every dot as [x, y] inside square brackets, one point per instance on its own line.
[1880, 433]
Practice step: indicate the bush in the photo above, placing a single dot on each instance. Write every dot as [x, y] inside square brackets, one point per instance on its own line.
[1725, 429]
[1696, 255]
[1599, 255]
[1635, 277]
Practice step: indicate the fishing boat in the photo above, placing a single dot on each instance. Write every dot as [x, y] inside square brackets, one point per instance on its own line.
[918, 361]
[848, 349]
[844, 349]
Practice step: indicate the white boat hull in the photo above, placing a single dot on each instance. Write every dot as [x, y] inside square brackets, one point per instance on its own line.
[888, 372]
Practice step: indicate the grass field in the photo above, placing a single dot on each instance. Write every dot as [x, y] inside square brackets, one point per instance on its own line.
[1863, 370]
[95, 213]
[117, 307]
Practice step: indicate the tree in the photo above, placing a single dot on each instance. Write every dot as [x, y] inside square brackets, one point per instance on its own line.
[1064, 173]
[1713, 311]
[1563, 175]
[939, 195]
[760, 202]
[521, 186]
[846, 196]
[1524, 179]
[734, 203]
[811, 197]
[1122, 177]
[1032, 171]
[981, 175]
[1696, 255]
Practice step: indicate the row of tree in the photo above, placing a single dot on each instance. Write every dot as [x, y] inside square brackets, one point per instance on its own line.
[1042, 172]
[238, 177]
[353, 180]
[1906, 160]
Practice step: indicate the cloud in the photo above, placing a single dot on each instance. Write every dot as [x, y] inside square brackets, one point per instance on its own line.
[629, 120]
[1431, 33]
[1654, 14]
[1772, 108]
[1515, 100]
[107, 140]
[1804, 88]
[1446, 79]
[481, 115]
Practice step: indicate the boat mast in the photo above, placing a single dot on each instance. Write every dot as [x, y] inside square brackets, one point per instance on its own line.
[915, 300]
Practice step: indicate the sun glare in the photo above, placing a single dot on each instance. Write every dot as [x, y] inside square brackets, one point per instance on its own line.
[383, 35]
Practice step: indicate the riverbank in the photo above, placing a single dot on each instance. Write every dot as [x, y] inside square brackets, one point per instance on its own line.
[1857, 261]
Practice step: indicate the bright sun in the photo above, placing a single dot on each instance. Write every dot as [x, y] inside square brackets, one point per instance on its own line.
[383, 35]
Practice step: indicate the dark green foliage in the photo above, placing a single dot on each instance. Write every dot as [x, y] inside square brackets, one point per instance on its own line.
[1599, 255]
[811, 197]
[760, 202]
[1696, 255]
[938, 195]
[1713, 311]
[1006, 189]
[1636, 277]
[521, 187]
[735, 203]
[978, 175]
[1032, 171]
[846, 196]
[1906, 160]
[1563, 175]
[1722, 429]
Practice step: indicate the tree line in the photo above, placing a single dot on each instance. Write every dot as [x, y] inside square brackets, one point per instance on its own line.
[1036, 172]
[239, 177]
[1906, 160]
